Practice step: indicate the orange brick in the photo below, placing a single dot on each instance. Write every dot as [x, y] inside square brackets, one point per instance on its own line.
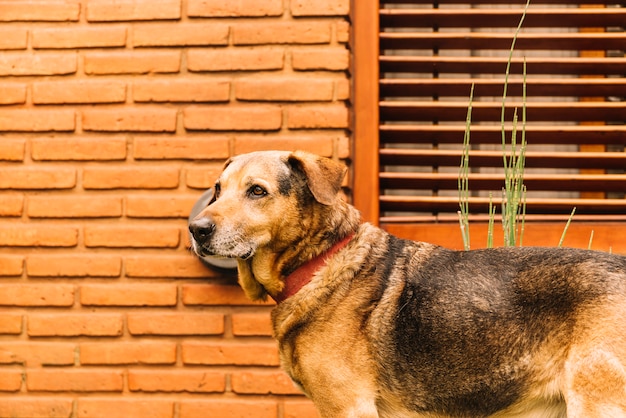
[74, 207]
[127, 353]
[284, 89]
[252, 324]
[10, 323]
[223, 353]
[76, 37]
[190, 90]
[12, 93]
[191, 381]
[133, 408]
[342, 89]
[176, 266]
[44, 178]
[320, 7]
[38, 64]
[38, 235]
[241, 8]
[318, 117]
[11, 150]
[180, 34]
[202, 178]
[128, 295]
[11, 265]
[107, 11]
[74, 325]
[263, 383]
[35, 407]
[217, 294]
[235, 59]
[34, 354]
[56, 92]
[73, 265]
[36, 295]
[11, 204]
[173, 206]
[49, 11]
[231, 408]
[37, 120]
[320, 145]
[74, 380]
[342, 31]
[328, 58]
[188, 148]
[10, 380]
[132, 236]
[13, 38]
[288, 32]
[235, 118]
[300, 409]
[344, 148]
[134, 120]
[176, 324]
[78, 149]
[132, 62]
[130, 178]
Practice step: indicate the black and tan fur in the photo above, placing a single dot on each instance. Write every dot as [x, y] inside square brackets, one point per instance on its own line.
[391, 328]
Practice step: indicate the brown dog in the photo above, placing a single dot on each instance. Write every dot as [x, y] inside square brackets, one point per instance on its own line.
[370, 325]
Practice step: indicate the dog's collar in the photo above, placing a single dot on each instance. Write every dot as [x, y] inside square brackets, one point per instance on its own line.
[303, 274]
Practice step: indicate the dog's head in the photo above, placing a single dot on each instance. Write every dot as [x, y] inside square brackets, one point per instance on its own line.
[264, 206]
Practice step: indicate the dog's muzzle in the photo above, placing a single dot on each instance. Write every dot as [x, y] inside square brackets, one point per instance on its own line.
[201, 230]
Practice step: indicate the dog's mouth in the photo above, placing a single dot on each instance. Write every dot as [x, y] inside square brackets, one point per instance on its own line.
[236, 251]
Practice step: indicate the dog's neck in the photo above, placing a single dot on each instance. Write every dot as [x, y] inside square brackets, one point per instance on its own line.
[303, 274]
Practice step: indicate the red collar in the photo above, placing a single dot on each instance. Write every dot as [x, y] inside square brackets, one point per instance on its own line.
[303, 274]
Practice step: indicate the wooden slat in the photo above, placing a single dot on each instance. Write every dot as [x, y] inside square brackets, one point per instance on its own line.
[484, 134]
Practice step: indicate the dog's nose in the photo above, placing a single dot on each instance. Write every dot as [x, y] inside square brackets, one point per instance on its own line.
[201, 230]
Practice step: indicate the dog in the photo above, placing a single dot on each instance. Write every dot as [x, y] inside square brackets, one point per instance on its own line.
[373, 326]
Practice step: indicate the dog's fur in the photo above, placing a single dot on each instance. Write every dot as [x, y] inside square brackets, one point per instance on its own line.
[392, 328]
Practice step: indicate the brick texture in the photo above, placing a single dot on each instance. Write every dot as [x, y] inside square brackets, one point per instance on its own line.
[116, 116]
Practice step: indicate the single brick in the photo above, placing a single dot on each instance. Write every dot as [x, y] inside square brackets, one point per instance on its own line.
[224, 353]
[132, 408]
[252, 324]
[324, 59]
[317, 144]
[12, 204]
[74, 380]
[176, 324]
[74, 207]
[73, 265]
[118, 353]
[342, 89]
[11, 265]
[300, 409]
[38, 178]
[38, 235]
[287, 32]
[187, 148]
[217, 294]
[342, 31]
[133, 177]
[13, 38]
[35, 407]
[263, 383]
[77, 37]
[61, 92]
[231, 408]
[235, 59]
[12, 93]
[128, 295]
[128, 10]
[144, 62]
[320, 7]
[78, 149]
[318, 117]
[233, 118]
[74, 325]
[179, 34]
[159, 266]
[10, 380]
[191, 90]
[10, 323]
[190, 381]
[173, 206]
[240, 8]
[48, 11]
[133, 120]
[36, 353]
[132, 236]
[19, 64]
[11, 150]
[203, 178]
[283, 88]
[29, 120]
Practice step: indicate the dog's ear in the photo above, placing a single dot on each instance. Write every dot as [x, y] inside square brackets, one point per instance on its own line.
[251, 287]
[324, 176]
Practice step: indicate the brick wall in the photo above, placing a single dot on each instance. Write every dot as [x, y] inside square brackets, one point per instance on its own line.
[114, 117]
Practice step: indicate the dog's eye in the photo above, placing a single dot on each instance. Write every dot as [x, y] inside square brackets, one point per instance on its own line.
[257, 191]
[216, 190]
